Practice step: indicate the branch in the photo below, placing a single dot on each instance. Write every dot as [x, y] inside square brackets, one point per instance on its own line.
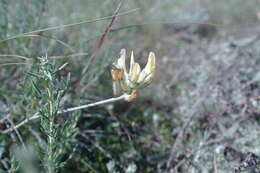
[101, 41]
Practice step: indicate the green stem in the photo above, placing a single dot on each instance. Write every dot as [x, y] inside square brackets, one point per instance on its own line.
[50, 142]
[50, 161]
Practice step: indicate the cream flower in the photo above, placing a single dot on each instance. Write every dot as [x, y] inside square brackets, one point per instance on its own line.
[133, 79]
[120, 63]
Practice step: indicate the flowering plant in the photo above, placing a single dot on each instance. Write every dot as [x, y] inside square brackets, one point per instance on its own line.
[130, 81]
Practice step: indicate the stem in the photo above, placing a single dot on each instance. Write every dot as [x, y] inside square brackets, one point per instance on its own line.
[93, 104]
[50, 161]
[50, 144]
[37, 115]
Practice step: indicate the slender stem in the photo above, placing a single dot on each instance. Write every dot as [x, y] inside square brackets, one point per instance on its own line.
[93, 104]
[37, 115]
[50, 161]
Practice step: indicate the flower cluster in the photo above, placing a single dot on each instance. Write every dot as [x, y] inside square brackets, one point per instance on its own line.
[135, 78]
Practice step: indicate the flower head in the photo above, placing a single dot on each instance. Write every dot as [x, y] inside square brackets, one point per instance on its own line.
[135, 78]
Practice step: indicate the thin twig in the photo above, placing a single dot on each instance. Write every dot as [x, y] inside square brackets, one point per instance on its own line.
[101, 41]
[37, 114]
[68, 25]
[93, 104]
[17, 56]
[13, 63]
[67, 56]
[17, 132]
[52, 38]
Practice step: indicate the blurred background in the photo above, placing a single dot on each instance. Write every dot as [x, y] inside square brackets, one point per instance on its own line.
[200, 115]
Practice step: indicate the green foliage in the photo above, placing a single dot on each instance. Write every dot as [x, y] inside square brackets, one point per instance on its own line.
[47, 91]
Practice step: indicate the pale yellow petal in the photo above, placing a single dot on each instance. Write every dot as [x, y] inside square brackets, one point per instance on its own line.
[135, 73]
[149, 68]
[149, 79]
[137, 69]
[127, 81]
[121, 60]
[132, 63]
[142, 76]
[116, 88]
